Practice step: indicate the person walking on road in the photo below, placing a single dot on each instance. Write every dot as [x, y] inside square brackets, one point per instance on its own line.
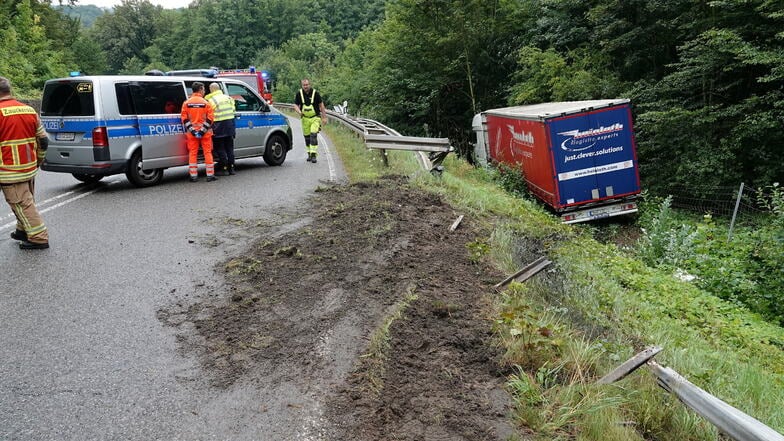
[197, 116]
[310, 107]
[224, 129]
[23, 144]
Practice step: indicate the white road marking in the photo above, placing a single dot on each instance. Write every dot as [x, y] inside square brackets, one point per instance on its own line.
[330, 161]
[60, 204]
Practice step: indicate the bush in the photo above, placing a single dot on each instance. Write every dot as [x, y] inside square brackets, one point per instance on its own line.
[511, 179]
[746, 270]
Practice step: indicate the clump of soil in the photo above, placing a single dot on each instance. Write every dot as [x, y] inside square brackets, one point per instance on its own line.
[310, 306]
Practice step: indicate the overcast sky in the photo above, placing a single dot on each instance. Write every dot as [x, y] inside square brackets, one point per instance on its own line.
[168, 4]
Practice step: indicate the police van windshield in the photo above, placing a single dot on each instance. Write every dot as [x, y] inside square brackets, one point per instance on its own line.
[68, 98]
[244, 99]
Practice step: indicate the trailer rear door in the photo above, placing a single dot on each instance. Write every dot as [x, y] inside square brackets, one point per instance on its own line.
[594, 155]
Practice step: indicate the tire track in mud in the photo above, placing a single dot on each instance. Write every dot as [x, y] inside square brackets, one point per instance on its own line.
[298, 310]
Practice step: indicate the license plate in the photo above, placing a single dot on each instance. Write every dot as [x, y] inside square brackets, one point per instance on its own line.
[599, 212]
[64, 136]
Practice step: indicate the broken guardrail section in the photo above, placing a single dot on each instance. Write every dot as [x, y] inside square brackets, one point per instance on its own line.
[432, 151]
[729, 420]
[525, 273]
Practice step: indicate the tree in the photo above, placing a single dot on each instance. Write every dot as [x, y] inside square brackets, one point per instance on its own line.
[126, 32]
[87, 56]
[28, 58]
[434, 63]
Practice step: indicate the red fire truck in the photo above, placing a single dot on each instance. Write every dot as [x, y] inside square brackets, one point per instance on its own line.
[259, 80]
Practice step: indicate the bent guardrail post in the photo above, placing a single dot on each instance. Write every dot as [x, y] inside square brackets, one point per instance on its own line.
[630, 365]
[729, 420]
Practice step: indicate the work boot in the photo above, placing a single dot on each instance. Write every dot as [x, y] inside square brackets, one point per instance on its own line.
[194, 178]
[231, 169]
[19, 235]
[314, 159]
[211, 178]
[33, 245]
[310, 156]
[220, 170]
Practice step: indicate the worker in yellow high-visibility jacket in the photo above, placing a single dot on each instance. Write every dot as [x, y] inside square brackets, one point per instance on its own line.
[310, 107]
[223, 129]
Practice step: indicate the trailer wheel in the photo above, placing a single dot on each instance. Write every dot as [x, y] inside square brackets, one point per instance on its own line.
[276, 150]
[140, 177]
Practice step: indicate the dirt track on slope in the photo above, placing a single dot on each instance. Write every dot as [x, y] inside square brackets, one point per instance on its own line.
[304, 310]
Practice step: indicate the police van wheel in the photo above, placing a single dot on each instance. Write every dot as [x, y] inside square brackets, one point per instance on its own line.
[87, 179]
[140, 177]
[276, 150]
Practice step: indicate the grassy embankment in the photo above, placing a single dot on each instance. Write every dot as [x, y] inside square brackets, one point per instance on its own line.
[593, 309]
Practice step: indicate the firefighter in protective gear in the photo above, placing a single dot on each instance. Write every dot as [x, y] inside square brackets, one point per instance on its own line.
[224, 129]
[23, 144]
[197, 117]
[310, 107]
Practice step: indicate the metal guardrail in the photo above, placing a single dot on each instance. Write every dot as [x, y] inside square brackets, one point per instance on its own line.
[410, 143]
[729, 420]
[380, 137]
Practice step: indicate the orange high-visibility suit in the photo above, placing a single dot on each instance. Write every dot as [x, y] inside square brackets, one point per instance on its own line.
[197, 117]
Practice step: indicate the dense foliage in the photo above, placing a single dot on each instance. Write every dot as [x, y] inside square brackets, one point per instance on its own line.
[86, 14]
[706, 78]
[745, 267]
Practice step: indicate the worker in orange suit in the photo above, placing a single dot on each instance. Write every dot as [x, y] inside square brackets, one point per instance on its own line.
[197, 117]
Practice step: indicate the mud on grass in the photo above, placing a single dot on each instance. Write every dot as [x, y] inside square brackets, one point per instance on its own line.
[375, 307]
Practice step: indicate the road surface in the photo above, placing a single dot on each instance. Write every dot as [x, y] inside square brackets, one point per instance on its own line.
[83, 355]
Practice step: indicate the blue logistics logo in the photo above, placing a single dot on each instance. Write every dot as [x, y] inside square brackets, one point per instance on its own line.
[579, 140]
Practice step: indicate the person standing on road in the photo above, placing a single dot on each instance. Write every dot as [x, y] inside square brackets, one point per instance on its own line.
[197, 116]
[23, 144]
[224, 129]
[310, 107]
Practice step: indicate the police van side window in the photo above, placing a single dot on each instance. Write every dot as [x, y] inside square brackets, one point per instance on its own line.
[244, 99]
[150, 98]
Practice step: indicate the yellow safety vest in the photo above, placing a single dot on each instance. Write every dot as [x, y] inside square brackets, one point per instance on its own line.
[223, 104]
[309, 110]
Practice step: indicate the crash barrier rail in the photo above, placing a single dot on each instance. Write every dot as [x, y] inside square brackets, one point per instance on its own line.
[732, 422]
[729, 420]
[431, 151]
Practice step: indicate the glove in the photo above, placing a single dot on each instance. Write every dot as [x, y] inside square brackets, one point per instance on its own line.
[194, 133]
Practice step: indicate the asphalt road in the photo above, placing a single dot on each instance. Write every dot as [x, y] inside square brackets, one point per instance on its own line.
[82, 354]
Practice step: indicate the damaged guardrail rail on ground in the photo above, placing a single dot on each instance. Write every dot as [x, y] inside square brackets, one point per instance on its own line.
[729, 420]
[431, 151]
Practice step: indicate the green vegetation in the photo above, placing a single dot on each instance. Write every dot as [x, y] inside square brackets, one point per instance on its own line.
[379, 342]
[746, 270]
[706, 81]
[705, 78]
[593, 309]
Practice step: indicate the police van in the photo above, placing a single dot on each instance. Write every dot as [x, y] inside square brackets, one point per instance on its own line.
[106, 125]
